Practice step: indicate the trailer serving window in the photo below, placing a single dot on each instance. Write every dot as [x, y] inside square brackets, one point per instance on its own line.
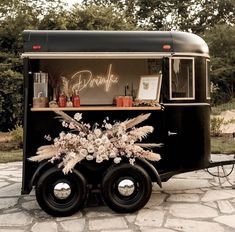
[182, 78]
[99, 81]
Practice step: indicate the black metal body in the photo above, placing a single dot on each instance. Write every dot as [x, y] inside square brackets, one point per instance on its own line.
[183, 127]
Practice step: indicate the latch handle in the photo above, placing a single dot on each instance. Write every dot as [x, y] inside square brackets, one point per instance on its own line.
[170, 133]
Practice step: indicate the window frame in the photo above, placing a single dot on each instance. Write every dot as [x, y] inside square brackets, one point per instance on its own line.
[170, 78]
[207, 79]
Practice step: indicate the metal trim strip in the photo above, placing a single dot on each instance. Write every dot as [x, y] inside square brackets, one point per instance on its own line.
[104, 55]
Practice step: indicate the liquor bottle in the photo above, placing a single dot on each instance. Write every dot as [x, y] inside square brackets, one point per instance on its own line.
[76, 99]
[62, 100]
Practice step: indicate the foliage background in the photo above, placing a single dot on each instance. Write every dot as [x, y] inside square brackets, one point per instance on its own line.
[211, 19]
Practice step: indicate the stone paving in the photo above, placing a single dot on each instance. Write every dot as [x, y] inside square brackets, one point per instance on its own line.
[190, 202]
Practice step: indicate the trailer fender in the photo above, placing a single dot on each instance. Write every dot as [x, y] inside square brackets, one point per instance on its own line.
[42, 167]
[151, 170]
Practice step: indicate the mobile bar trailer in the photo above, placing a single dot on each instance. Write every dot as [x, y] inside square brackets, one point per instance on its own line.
[104, 65]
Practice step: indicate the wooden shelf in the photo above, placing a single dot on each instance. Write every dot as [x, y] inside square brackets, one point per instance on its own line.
[97, 108]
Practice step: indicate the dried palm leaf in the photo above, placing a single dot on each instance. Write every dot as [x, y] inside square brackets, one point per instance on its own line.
[44, 147]
[65, 117]
[65, 84]
[150, 156]
[128, 124]
[137, 120]
[45, 152]
[71, 163]
[149, 145]
[140, 133]
[43, 156]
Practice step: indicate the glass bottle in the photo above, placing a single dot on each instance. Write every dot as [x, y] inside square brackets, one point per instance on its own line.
[62, 100]
[76, 99]
[69, 103]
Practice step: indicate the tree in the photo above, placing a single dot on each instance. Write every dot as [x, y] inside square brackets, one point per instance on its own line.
[221, 41]
[186, 15]
[98, 17]
[19, 15]
[11, 92]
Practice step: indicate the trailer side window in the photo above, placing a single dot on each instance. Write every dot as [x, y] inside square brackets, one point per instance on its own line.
[182, 80]
[208, 83]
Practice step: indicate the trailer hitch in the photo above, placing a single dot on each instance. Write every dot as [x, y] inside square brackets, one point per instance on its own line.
[220, 163]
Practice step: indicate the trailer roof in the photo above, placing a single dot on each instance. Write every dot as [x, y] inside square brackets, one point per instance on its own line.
[55, 41]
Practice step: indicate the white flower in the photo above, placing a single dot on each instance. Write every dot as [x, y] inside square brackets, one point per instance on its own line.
[64, 124]
[132, 161]
[82, 134]
[90, 137]
[47, 137]
[83, 152]
[77, 116]
[62, 134]
[98, 142]
[108, 126]
[104, 157]
[83, 141]
[132, 142]
[101, 149]
[112, 154]
[90, 149]
[124, 138]
[97, 132]
[105, 139]
[99, 159]
[68, 136]
[72, 154]
[89, 157]
[117, 160]
[71, 125]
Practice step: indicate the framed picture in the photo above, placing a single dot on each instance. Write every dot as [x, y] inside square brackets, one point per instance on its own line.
[149, 87]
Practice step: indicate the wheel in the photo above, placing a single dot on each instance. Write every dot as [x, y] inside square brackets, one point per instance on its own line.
[61, 195]
[126, 188]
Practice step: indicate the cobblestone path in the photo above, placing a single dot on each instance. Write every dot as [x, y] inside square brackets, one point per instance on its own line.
[190, 202]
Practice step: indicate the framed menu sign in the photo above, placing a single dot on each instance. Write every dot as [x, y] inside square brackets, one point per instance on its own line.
[149, 87]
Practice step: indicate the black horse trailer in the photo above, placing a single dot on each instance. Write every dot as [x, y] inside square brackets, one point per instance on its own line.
[168, 74]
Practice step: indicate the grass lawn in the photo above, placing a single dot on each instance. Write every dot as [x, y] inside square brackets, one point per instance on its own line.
[11, 156]
[222, 145]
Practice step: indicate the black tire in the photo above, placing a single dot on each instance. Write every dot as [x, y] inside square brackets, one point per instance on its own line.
[140, 195]
[55, 206]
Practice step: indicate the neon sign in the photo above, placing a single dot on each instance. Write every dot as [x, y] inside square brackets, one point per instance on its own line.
[85, 79]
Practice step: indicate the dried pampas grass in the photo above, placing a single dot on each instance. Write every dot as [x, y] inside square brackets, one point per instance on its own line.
[45, 152]
[69, 165]
[151, 156]
[137, 120]
[140, 133]
[149, 145]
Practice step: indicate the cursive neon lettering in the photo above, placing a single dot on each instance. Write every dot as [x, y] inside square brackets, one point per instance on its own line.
[85, 79]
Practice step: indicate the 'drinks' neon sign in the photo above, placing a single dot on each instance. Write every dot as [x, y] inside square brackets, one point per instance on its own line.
[85, 79]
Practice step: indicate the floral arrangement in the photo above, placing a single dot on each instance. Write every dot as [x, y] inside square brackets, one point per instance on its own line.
[108, 141]
[152, 103]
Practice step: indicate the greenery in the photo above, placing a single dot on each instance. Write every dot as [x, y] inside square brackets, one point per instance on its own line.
[17, 135]
[216, 124]
[221, 41]
[11, 156]
[11, 92]
[216, 110]
[222, 145]
[213, 20]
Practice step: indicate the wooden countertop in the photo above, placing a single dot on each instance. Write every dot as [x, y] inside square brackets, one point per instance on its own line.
[97, 108]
